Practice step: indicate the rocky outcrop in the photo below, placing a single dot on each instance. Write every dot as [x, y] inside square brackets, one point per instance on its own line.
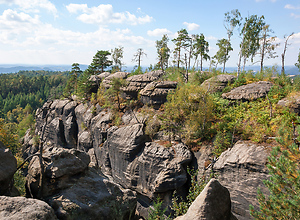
[249, 92]
[76, 191]
[137, 82]
[212, 203]
[21, 208]
[8, 166]
[217, 83]
[292, 102]
[107, 80]
[155, 93]
[146, 167]
[241, 170]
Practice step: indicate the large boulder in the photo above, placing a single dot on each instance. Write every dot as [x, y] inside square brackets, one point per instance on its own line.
[20, 208]
[8, 166]
[292, 102]
[241, 170]
[217, 83]
[249, 92]
[119, 75]
[138, 82]
[212, 203]
[155, 93]
[76, 191]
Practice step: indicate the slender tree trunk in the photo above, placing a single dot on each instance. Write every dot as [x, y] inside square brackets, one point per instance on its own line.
[284, 51]
[186, 71]
[201, 58]
[239, 64]
[178, 58]
[263, 52]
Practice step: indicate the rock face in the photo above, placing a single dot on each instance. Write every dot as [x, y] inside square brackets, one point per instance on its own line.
[212, 203]
[138, 82]
[8, 166]
[76, 191]
[217, 83]
[107, 80]
[292, 103]
[249, 92]
[146, 167]
[155, 93]
[21, 208]
[241, 170]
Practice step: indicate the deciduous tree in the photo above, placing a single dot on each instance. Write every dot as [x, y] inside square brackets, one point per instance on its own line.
[163, 51]
[137, 57]
[117, 56]
[284, 51]
[298, 63]
[222, 54]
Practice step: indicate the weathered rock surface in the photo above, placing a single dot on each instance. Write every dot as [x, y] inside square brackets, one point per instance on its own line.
[249, 92]
[292, 102]
[107, 80]
[76, 191]
[155, 93]
[241, 170]
[217, 83]
[146, 167]
[20, 208]
[138, 82]
[212, 203]
[8, 166]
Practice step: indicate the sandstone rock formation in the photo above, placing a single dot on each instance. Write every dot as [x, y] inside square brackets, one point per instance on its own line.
[107, 80]
[155, 93]
[292, 102]
[20, 208]
[249, 92]
[8, 166]
[241, 170]
[76, 191]
[217, 83]
[138, 82]
[212, 203]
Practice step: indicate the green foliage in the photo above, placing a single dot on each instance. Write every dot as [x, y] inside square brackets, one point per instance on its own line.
[163, 51]
[283, 202]
[298, 62]
[100, 61]
[201, 48]
[19, 182]
[188, 112]
[138, 70]
[179, 205]
[222, 54]
[157, 212]
[71, 86]
[114, 92]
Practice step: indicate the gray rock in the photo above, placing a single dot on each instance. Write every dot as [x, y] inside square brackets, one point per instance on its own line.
[241, 170]
[217, 83]
[60, 164]
[85, 141]
[92, 196]
[249, 92]
[145, 167]
[292, 102]
[138, 82]
[8, 166]
[20, 208]
[120, 75]
[212, 203]
[103, 75]
[155, 93]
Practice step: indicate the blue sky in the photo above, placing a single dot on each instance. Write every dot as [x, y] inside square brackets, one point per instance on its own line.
[65, 32]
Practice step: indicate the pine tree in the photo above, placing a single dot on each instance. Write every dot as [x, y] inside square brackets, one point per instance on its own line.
[283, 202]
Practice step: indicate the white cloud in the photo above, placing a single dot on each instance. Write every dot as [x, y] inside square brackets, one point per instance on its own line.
[288, 6]
[295, 15]
[104, 14]
[158, 32]
[191, 26]
[32, 5]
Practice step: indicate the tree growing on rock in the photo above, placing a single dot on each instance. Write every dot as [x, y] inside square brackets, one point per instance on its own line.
[117, 56]
[201, 48]
[163, 51]
[283, 202]
[222, 54]
[101, 61]
[71, 86]
[298, 63]
[181, 42]
[284, 51]
[137, 57]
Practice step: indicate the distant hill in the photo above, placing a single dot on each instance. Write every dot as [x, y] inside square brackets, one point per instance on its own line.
[16, 68]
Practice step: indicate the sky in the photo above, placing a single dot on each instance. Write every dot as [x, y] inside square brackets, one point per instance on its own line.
[40, 32]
